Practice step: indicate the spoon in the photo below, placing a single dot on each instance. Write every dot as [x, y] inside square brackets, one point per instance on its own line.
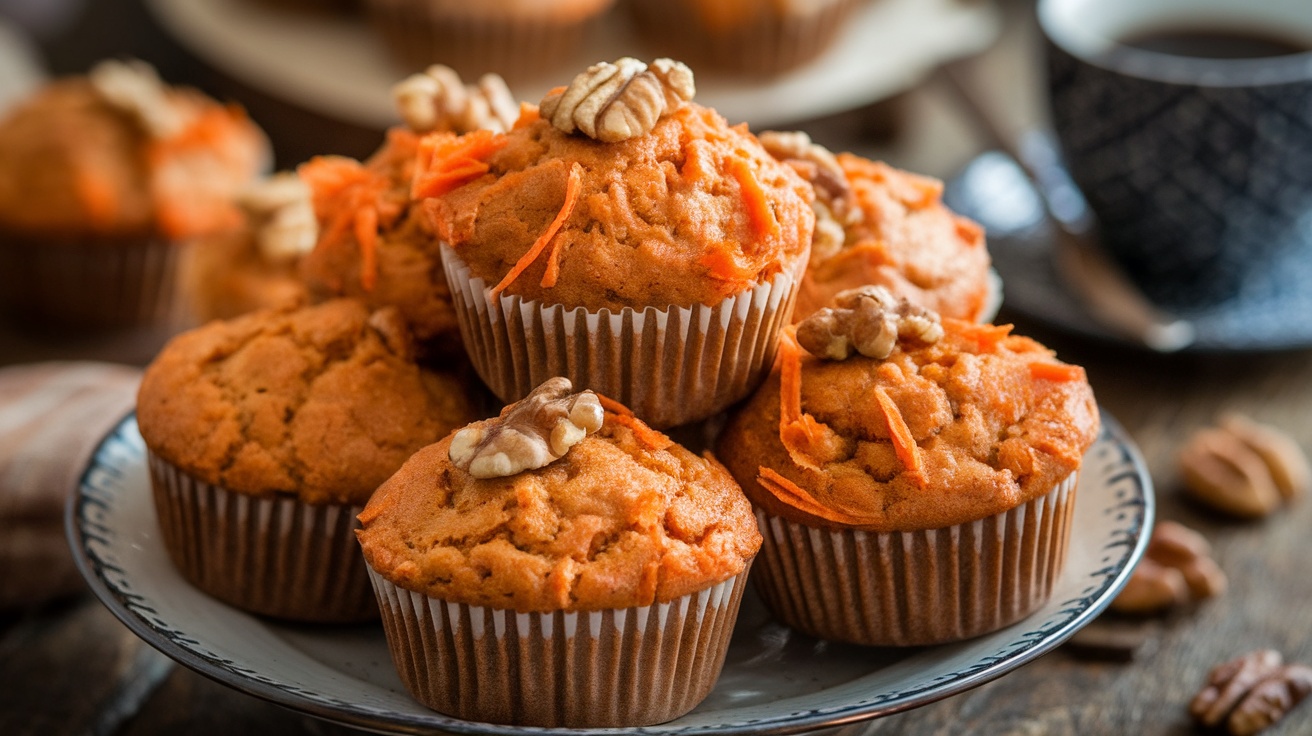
[1104, 289]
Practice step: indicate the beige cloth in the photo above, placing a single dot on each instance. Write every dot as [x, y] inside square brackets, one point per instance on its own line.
[52, 416]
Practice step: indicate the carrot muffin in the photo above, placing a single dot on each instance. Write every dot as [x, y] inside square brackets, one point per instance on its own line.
[624, 237]
[526, 563]
[256, 266]
[514, 38]
[761, 37]
[373, 244]
[878, 225]
[268, 433]
[924, 470]
[107, 176]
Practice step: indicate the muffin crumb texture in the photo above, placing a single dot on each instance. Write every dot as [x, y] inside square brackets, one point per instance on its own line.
[626, 518]
[323, 403]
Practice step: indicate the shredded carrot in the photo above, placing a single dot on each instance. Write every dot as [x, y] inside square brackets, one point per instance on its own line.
[969, 231]
[985, 337]
[1042, 371]
[613, 406]
[792, 494]
[722, 265]
[350, 198]
[97, 196]
[695, 166]
[904, 445]
[366, 234]
[650, 438]
[790, 377]
[759, 213]
[572, 187]
[447, 162]
[528, 114]
[539, 245]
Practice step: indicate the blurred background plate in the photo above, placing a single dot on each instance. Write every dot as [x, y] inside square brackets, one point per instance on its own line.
[338, 67]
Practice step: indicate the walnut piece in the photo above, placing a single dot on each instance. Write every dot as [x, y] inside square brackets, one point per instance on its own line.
[438, 99]
[1251, 692]
[1177, 568]
[614, 102]
[868, 320]
[135, 88]
[281, 212]
[834, 205]
[529, 434]
[1243, 468]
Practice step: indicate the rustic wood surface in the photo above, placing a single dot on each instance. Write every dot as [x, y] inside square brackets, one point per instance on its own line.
[72, 668]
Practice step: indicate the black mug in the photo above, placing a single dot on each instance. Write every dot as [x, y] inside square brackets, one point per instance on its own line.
[1188, 126]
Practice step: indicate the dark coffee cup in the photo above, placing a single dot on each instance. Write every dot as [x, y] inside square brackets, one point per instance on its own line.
[1188, 126]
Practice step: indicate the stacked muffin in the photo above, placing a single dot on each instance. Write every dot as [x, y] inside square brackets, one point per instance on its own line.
[913, 474]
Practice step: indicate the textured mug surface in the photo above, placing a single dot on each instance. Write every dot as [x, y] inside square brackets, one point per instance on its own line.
[1199, 169]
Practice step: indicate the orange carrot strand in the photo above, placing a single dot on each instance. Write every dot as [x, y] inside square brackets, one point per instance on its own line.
[366, 234]
[904, 445]
[540, 244]
[571, 199]
[759, 213]
[1060, 372]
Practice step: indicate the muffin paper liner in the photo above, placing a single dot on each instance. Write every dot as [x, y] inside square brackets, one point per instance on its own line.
[620, 667]
[419, 34]
[277, 557]
[89, 283]
[670, 366]
[912, 588]
[768, 45]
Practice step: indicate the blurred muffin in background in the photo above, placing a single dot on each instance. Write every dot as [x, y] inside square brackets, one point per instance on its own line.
[758, 37]
[514, 38]
[256, 266]
[877, 225]
[107, 177]
[316, 6]
[374, 244]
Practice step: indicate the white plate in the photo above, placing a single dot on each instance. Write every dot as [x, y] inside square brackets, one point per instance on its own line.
[775, 680]
[336, 65]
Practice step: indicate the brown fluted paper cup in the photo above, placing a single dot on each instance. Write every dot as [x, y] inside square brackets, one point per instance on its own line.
[277, 557]
[670, 366]
[91, 283]
[913, 588]
[594, 669]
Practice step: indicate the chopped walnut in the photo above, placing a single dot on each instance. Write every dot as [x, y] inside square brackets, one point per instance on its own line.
[1251, 692]
[135, 88]
[438, 100]
[1177, 568]
[529, 434]
[1243, 468]
[281, 212]
[614, 102]
[834, 203]
[868, 320]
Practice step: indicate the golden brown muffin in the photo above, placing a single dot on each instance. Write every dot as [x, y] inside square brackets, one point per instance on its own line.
[757, 37]
[323, 403]
[106, 179]
[267, 434]
[690, 213]
[566, 538]
[886, 227]
[936, 469]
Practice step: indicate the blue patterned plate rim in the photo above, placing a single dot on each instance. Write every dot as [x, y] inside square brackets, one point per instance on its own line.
[111, 528]
[1271, 314]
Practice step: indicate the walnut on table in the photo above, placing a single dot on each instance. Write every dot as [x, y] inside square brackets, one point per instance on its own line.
[1177, 568]
[529, 434]
[1251, 692]
[1243, 468]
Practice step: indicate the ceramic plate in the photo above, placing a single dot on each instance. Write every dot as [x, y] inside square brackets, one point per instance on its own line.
[336, 65]
[775, 680]
[993, 191]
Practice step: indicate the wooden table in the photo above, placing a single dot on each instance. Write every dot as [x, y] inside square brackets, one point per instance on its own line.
[73, 669]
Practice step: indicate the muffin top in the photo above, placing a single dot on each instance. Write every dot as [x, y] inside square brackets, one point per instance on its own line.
[323, 402]
[583, 205]
[622, 517]
[117, 153]
[883, 226]
[958, 422]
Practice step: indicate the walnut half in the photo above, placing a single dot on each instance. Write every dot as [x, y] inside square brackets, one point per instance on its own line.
[529, 434]
[868, 320]
[1251, 692]
[615, 102]
[281, 212]
[1177, 568]
[437, 99]
[135, 88]
[1243, 468]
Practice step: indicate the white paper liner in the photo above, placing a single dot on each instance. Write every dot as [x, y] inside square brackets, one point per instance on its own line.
[670, 366]
[277, 557]
[611, 668]
[913, 588]
[92, 283]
